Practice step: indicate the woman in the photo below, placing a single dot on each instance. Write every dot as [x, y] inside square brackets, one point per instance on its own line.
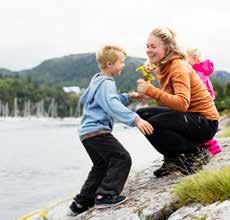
[188, 116]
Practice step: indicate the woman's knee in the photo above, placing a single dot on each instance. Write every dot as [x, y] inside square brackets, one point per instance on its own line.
[140, 112]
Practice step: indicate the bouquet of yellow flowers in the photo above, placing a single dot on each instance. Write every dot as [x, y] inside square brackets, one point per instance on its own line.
[147, 71]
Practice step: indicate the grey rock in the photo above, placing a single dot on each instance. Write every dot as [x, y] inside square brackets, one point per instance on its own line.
[151, 198]
[220, 211]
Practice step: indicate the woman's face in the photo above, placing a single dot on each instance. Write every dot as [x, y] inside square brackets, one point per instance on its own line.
[155, 49]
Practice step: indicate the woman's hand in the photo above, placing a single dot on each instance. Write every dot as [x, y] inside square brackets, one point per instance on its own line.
[142, 85]
[144, 126]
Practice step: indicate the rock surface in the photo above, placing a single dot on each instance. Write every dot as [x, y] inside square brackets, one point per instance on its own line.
[151, 198]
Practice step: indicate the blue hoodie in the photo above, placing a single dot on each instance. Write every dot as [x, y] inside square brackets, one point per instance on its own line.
[102, 104]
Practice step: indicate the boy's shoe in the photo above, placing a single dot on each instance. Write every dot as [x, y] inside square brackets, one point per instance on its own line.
[75, 210]
[109, 201]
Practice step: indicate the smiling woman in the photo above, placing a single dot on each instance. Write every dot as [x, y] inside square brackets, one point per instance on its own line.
[187, 116]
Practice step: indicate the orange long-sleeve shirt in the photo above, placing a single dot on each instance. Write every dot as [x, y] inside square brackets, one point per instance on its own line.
[182, 90]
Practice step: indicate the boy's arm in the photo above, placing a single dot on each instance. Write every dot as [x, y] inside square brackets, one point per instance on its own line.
[124, 97]
[110, 102]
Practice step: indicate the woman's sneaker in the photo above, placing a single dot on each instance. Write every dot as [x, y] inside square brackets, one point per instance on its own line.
[201, 157]
[109, 201]
[170, 166]
[184, 163]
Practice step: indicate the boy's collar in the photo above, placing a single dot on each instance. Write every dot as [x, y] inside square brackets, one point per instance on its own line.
[103, 74]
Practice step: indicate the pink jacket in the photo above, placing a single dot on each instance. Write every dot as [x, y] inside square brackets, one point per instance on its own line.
[204, 69]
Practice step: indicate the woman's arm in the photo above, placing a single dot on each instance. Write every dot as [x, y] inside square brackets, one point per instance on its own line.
[180, 100]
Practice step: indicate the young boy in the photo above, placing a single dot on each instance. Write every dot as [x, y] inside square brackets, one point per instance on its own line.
[111, 162]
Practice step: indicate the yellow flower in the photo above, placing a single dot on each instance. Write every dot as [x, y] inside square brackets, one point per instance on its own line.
[147, 71]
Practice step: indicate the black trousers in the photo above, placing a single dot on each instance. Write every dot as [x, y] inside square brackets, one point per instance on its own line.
[111, 166]
[177, 132]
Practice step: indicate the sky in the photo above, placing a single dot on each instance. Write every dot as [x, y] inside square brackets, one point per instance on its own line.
[35, 30]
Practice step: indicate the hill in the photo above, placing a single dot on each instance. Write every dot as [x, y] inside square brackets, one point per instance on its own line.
[77, 69]
[221, 76]
[4, 72]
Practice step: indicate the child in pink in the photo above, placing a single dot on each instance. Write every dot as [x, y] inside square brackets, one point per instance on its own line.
[204, 69]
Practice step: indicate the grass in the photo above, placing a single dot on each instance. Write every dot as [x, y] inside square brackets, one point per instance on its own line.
[205, 187]
[224, 134]
[225, 112]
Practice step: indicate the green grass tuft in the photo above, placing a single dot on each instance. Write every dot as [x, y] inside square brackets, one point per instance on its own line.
[205, 187]
[224, 133]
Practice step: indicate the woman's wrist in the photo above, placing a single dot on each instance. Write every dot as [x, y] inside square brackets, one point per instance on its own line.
[151, 91]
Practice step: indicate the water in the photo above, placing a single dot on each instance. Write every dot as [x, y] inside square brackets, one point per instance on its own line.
[42, 160]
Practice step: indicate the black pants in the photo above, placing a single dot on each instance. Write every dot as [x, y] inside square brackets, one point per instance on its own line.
[111, 166]
[177, 132]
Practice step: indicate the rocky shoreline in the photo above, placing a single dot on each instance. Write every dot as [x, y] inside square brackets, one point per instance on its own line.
[151, 198]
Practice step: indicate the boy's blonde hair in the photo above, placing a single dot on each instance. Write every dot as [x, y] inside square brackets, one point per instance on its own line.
[109, 53]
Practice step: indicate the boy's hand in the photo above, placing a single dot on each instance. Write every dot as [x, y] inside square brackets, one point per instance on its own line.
[139, 97]
[144, 126]
[145, 97]
[133, 95]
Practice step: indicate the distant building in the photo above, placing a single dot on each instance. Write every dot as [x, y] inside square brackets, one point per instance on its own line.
[74, 89]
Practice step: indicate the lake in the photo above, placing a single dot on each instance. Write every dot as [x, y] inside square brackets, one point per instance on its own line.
[42, 160]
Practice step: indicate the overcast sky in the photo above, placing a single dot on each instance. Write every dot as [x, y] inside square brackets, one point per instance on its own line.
[35, 30]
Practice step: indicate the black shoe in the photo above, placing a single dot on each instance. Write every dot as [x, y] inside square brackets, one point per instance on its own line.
[184, 163]
[75, 210]
[203, 155]
[194, 162]
[109, 201]
[169, 166]
[200, 157]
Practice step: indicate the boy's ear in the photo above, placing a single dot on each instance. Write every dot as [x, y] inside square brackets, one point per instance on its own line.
[108, 64]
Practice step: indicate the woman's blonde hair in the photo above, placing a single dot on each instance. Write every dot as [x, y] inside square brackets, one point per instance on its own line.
[168, 37]
[109, 53]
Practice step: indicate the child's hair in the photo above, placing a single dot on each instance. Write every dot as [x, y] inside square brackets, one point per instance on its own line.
[193, 55]
[194, 52]
[109, 53]
[168, 37]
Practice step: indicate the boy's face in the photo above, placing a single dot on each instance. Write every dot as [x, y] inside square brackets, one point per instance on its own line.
[117, 67]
